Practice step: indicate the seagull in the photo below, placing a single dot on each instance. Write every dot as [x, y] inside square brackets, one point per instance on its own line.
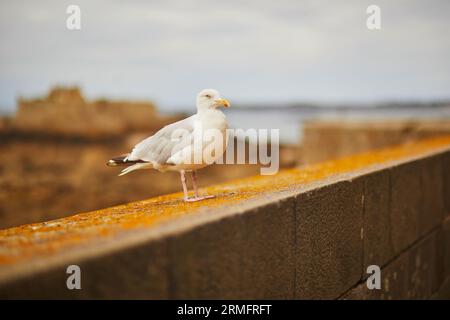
[174, 146]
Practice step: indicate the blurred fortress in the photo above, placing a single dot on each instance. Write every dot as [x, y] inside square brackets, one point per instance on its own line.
[64, 111]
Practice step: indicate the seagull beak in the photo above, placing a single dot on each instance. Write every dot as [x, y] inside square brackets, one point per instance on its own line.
[223, 102]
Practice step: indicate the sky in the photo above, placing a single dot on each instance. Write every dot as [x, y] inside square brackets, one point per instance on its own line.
[251, 51]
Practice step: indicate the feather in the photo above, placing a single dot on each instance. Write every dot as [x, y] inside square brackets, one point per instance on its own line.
[134, 167]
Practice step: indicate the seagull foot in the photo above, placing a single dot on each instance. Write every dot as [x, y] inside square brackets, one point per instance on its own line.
[195, 199]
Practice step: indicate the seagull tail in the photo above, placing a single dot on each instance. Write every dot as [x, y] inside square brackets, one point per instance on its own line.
[131, 165]
[122, 161]
[136, 166]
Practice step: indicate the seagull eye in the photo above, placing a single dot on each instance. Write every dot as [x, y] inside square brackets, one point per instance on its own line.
[208, 96]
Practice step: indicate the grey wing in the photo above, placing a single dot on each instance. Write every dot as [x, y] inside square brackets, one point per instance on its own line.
[164, 143]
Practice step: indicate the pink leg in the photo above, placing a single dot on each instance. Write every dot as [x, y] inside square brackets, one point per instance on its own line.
[196, 195]
[183, 182]
[194, 183]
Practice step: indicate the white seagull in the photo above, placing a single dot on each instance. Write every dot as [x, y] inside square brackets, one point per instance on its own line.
[173, 147]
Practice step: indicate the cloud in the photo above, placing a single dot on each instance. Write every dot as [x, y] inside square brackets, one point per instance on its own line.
[251, 51]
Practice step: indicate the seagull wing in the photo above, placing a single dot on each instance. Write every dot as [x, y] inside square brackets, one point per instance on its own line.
[164, 143]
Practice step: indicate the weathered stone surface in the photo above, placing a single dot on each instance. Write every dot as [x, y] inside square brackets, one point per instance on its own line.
[140, 272]
[432, 211]
[205, 263]
[360, 292]
[268, 261]
[444, 291]
[412, 275]
[47, 285]
[394, 283]
[329, 243]
[446, 175]
[438, 252]
[422, 269]
[246, 256]
[377, 227]
[446, 243]
[406, 204]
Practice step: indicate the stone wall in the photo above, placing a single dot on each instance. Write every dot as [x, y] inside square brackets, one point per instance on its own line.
[306, 233]
[343, 138]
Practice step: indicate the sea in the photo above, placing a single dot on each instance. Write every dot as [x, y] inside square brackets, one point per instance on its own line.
[289, 119]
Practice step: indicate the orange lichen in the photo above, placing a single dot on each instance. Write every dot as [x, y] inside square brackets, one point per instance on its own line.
[37, 240]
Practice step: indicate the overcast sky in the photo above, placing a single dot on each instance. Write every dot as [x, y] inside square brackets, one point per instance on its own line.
[251, 51]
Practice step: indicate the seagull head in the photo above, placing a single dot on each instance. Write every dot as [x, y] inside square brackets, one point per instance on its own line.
[210, 99]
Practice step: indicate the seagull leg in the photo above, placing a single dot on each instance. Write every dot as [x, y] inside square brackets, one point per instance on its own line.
[196, 195]
[194, 183]
[183, 182]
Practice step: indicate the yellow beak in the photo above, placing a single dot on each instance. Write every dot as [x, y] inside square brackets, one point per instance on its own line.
[223, 102]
